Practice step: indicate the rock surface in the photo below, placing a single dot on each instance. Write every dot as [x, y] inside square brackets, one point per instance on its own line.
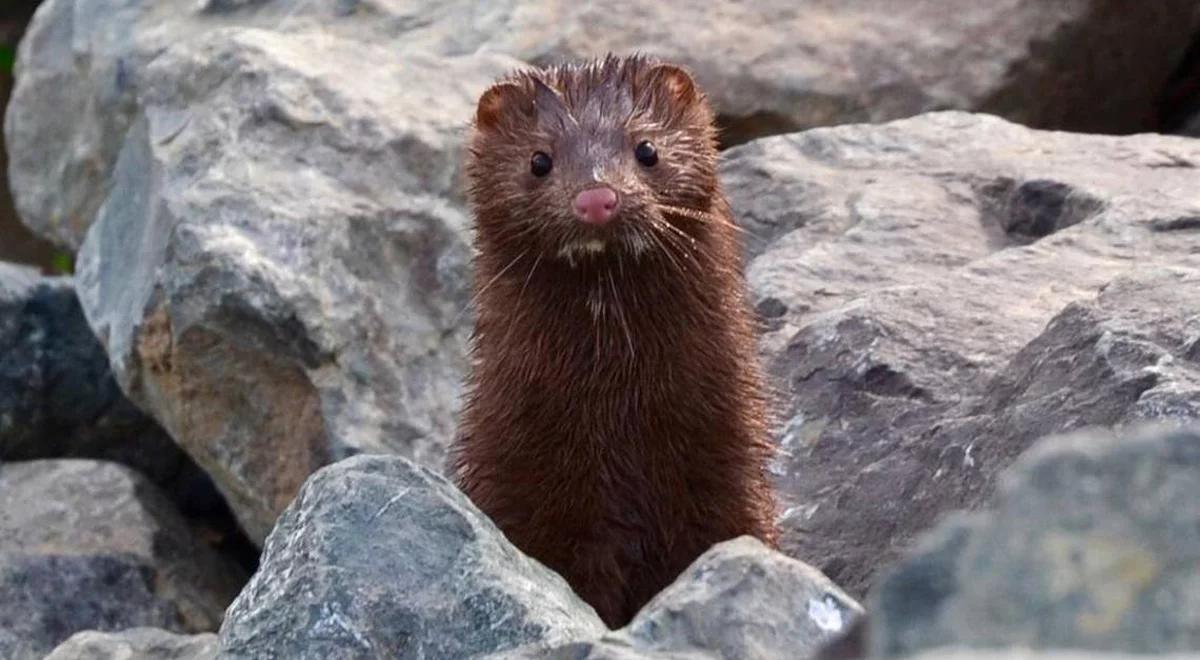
[87, 545]
[739, 600]
[380, 558]
[1093, 543]
[1088, 65]
[58, 398]
[939, 292]
[1028, 654]
[136, 644]
[298, 292]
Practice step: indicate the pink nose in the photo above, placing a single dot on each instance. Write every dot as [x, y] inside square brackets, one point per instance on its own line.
[596, 206]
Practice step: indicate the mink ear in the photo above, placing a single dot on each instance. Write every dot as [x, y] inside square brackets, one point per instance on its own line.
[499, 99]
[676, 82]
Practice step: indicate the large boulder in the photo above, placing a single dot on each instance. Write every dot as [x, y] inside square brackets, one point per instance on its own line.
[941, 291]
[1093, 543]
[58, 398]
[738, 600]
[779, 66]
[298, 289]
[88, 545]
[136, 644]
[379, 558]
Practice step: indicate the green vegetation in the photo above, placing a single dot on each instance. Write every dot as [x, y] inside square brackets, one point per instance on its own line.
[8, 56]
[62, 263]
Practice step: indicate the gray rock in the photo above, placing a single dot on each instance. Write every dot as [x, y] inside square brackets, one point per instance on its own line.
[780, 66]
[136, 644]
[611, 647]
[1029, 654]
[774, 67]
[739, 601]
[87, 545]
[380, 558]
[298, 290]
[939, 292]
[1092, 543]
[58, 398]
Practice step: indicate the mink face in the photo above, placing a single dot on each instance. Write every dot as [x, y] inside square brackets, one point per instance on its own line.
[614, 159]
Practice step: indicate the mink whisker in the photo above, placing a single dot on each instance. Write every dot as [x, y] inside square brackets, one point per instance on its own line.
[666, 251]
[620, 310]
[520, 296]
[478, 294]
[698, 215]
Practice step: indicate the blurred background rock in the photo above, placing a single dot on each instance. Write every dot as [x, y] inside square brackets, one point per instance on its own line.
[16, 242]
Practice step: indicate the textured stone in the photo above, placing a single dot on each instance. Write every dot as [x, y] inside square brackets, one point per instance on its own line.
[741, 600]
[771, 67]
[738, 600]
[1029, 654]
[1093, 543]
[379, 558]
[88, 545]
[298, 291]
[136, 644]
[940, 292]
[58, 398]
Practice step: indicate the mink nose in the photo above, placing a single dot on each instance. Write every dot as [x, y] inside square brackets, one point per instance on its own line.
[596, 206]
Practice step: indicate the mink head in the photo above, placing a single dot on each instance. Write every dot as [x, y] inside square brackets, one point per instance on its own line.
[613, 157]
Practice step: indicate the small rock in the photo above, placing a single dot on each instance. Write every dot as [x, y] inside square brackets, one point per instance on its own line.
[1092, 543]
[380, 558]
[88, 545]
[742, 600]
[136, 644]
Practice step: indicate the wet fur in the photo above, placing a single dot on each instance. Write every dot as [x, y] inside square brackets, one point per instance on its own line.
[614, 426]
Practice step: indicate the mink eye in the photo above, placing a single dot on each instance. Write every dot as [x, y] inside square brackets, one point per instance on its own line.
[645, 153]
[540, 164]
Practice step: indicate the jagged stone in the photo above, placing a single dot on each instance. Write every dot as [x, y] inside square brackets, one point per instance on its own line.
[379, 558]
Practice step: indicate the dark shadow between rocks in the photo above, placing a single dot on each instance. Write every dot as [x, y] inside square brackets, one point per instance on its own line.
[1027, 211]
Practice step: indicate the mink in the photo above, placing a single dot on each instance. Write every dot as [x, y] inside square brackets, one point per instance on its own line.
[615, 423]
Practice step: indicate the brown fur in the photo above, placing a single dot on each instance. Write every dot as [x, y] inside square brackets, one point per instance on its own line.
[615, 423]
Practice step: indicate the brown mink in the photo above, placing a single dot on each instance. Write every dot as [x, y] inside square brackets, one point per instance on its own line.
[614, 426]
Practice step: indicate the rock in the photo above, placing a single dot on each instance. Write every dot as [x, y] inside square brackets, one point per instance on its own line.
[19, 244]
[1028, 654]
[607, 648]
[1088, 65]
[58, 398]
[88, 545]
[380, 558]
[941, 291]
[742, 600]
[1092, 543]
[136, 644]
[783, 66]
[300, 289]
[738, 600]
